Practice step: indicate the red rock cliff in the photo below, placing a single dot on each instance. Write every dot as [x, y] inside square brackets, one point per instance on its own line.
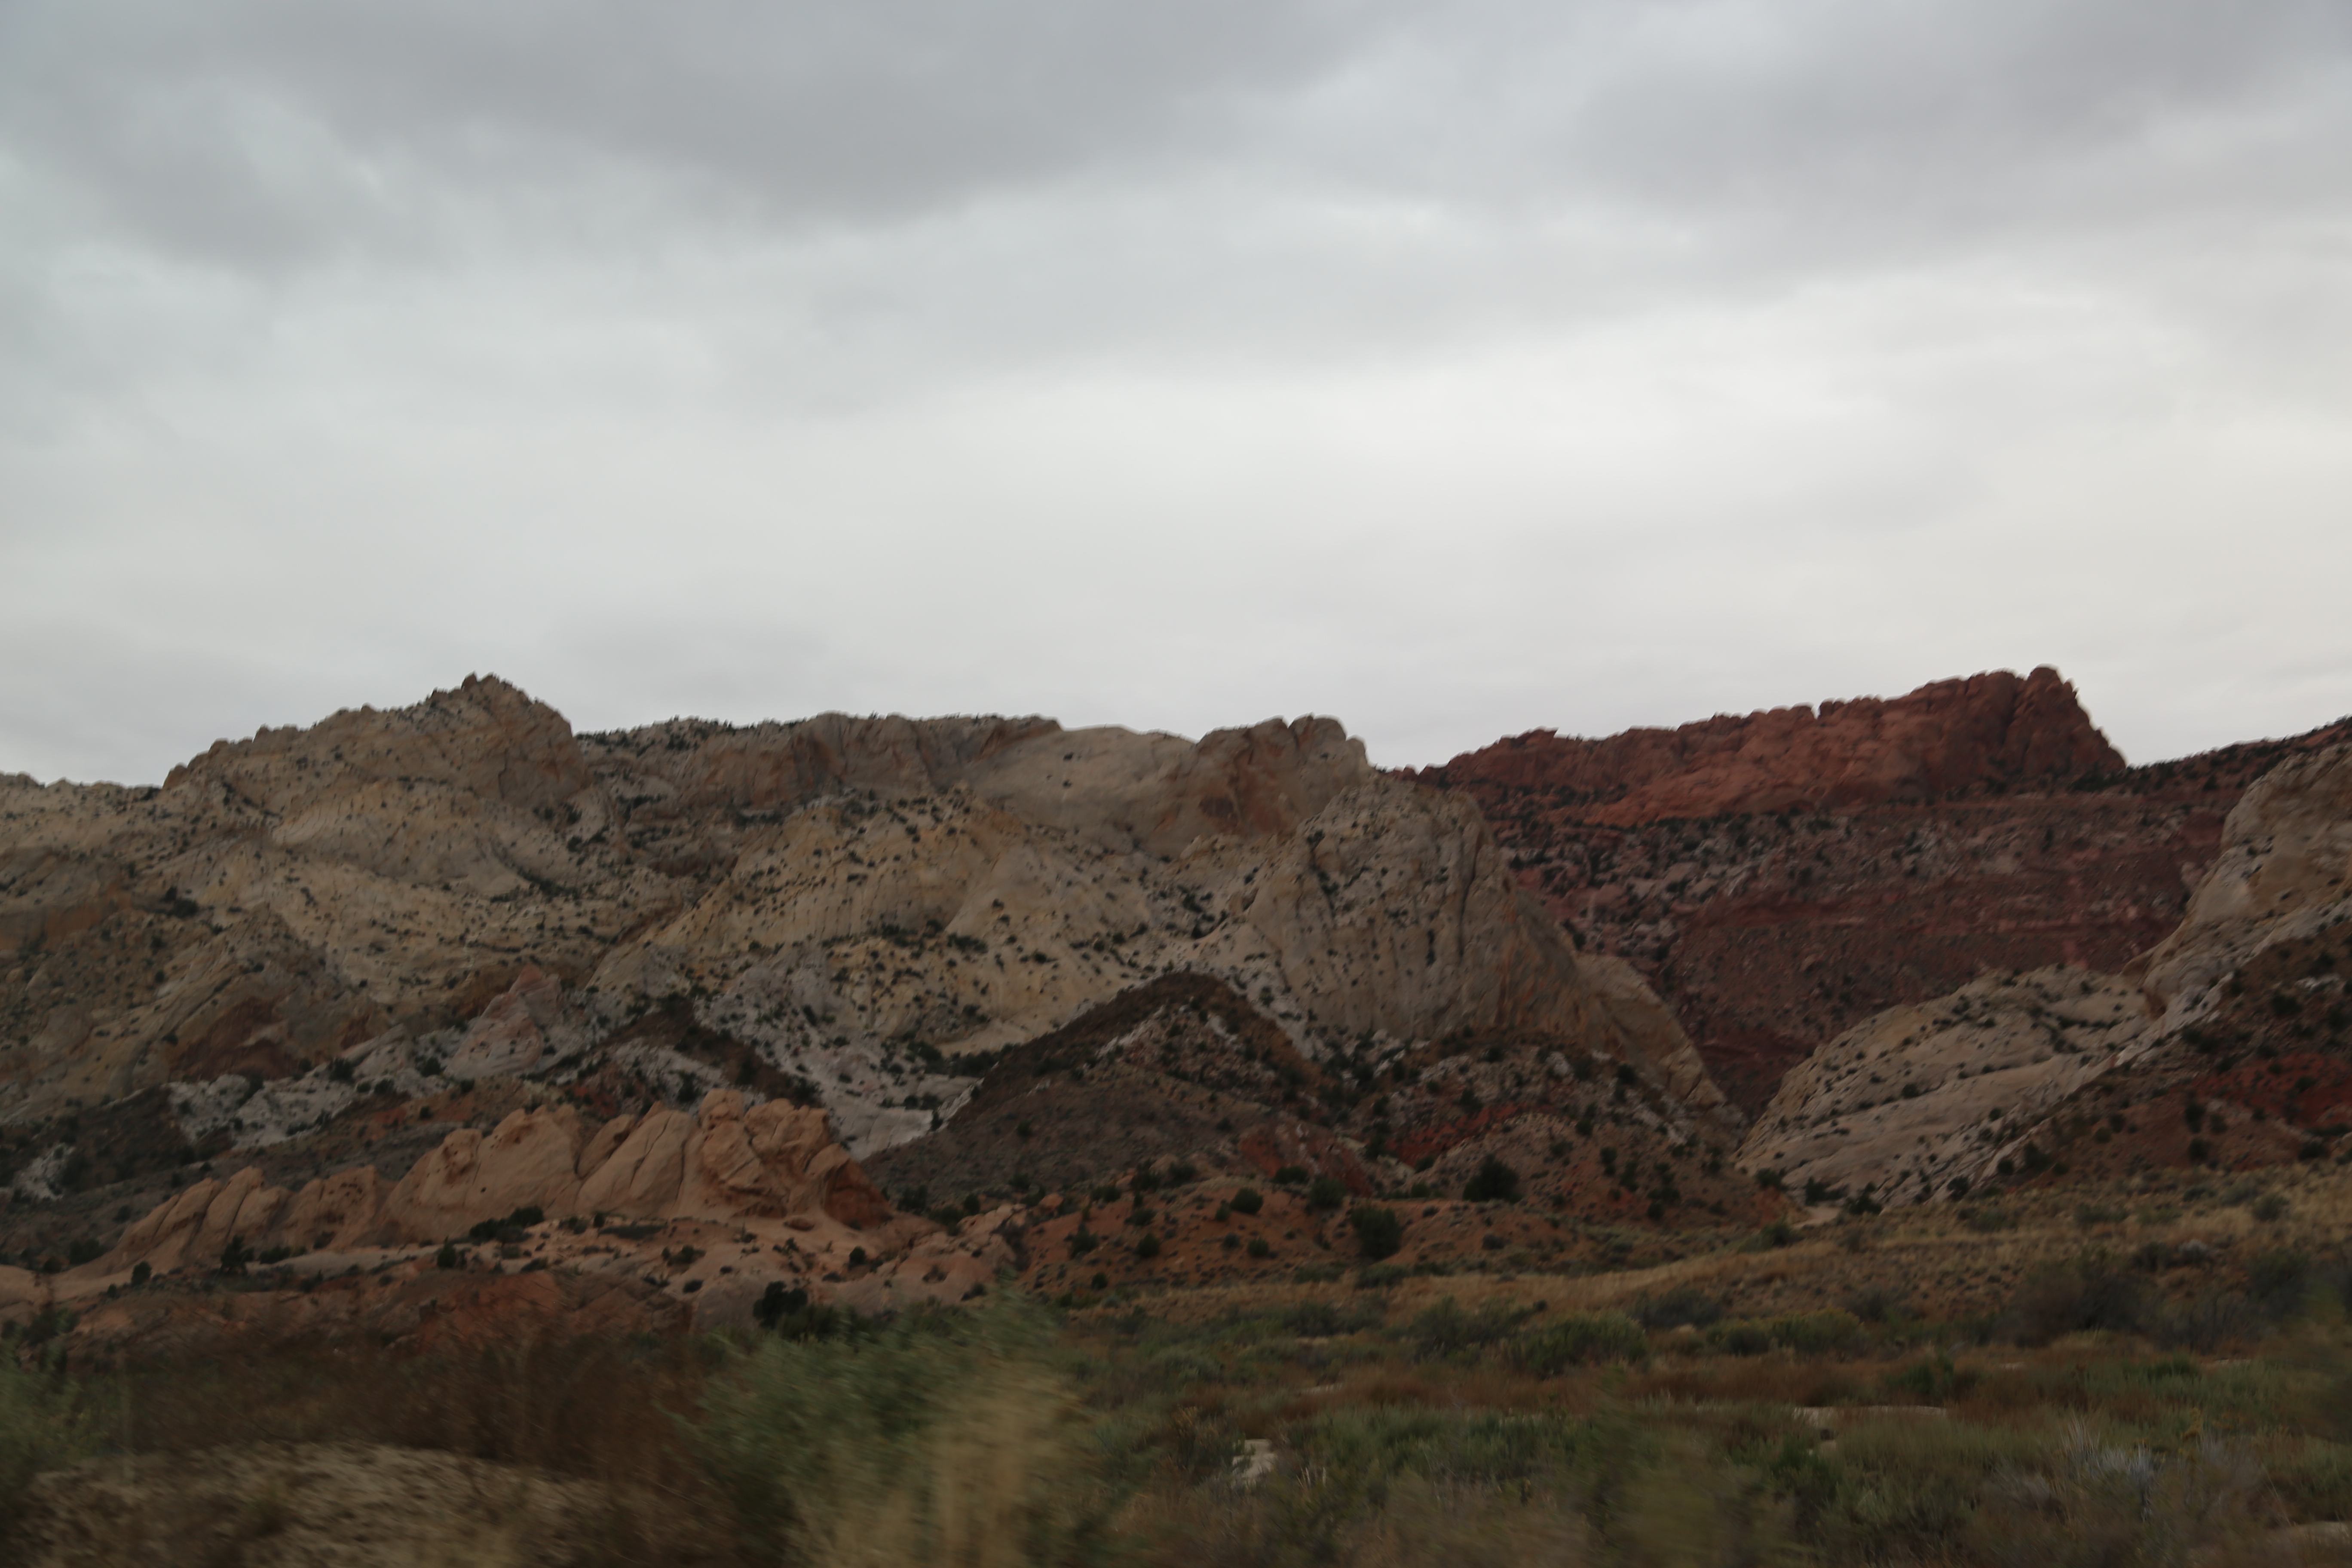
[1953, 735]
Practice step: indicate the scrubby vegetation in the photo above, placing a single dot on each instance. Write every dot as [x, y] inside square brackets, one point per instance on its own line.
[1375, 1418]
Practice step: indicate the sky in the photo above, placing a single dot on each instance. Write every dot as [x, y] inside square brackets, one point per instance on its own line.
[1454, 370]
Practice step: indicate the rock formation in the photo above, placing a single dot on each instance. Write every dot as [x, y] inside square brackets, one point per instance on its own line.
[2284, 874]
[1944, 738]
[1780, 878]
[774, 1160]
[315, 929]
[1923, 1102]
[2229, 1045]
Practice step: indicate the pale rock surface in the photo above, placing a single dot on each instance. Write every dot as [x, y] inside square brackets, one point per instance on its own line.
[2286, 871]
[393, 902]
[2023, 1046]
[1914, 1098]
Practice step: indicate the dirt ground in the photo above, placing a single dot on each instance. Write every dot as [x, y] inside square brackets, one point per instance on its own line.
[332, 1505]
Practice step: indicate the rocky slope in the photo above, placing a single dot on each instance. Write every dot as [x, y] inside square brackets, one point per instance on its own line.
[303, 941]
[1781, 877]
[2228, 1047]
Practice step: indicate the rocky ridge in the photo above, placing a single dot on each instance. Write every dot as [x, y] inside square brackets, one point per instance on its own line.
[327, 932]
[2227, 1047]
[1781, 877]
[1996, 729]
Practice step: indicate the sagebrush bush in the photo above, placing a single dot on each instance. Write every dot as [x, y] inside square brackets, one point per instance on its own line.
[1379, 1232]
[2093, 1289]
[1580, 1339]
[1445, 1330]
[46, 1422]
[2101, 1502]
[1683, 1304]
[1803, 1333]
[944, 1438]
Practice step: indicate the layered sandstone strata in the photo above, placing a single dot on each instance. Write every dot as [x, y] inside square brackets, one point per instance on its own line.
[1783, 877]
[318, 924]
[726, 1163]
[1944, 738]
[2230, 1044]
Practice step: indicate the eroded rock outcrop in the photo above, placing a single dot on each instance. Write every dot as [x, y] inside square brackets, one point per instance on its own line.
[2233, 1048]
[1923, 1102]
[727, 1163]
[1997, 728]
[1897, 868]
[2285, 872]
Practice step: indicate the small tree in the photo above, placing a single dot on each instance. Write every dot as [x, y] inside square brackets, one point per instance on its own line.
[1379, 1232]
[1494, 1183]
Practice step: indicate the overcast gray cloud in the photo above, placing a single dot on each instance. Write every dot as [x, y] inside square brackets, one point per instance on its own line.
[1453, 370]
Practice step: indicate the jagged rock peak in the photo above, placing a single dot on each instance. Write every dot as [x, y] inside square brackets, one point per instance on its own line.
[1995, 728]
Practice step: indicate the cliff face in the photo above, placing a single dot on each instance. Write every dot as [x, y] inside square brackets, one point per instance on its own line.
[2233, 1049]
[1953, 735]
[1802, 871]
[322, 924]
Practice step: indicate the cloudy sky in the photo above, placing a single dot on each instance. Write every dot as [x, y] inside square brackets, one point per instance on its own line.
[1455, 370]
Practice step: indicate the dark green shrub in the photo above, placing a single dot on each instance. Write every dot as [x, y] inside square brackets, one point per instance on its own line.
[1580, 1338]
[1259, 1246]
[1494, 1183]
[1326, 1192]
[1739, 1336]
[1149, 1246]
[1291, 1176]
[1815, 1333]
[1878, 1304]
[1249, 1200]
[46, 1424]
[508, 1230]
[1932, 1380]
[1446, 1330]
[1684, 1304]
[2280, 1281]
[2090, 1291]
[1379, 1232]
